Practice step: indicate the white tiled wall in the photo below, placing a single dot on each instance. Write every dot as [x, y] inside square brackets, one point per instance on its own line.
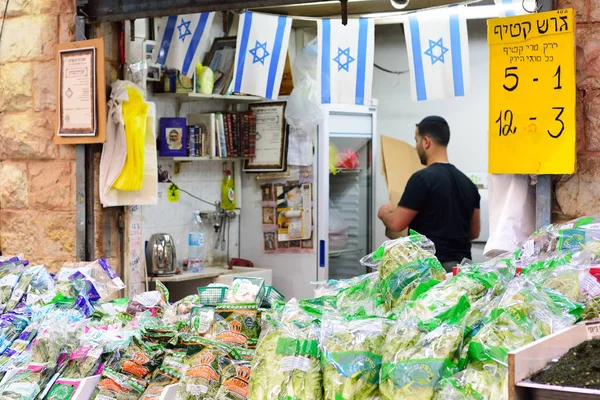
[202, 179]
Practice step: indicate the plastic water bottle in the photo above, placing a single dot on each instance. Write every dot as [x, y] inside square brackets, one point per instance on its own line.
[196, 243]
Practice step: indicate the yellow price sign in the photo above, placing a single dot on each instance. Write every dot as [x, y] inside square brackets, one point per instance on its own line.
[532, 94]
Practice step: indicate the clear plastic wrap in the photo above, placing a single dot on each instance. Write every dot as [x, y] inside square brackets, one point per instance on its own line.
[568, 236]
[415, 358]
[403, 265]
[97, 280]
[9, 277]
[286, 363]
[205, 363]
[351, 356]
[523, 313]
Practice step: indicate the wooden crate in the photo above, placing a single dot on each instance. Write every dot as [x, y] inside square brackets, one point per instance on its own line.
[527, 360]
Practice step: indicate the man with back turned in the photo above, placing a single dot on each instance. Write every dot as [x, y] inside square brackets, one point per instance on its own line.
[439, 201]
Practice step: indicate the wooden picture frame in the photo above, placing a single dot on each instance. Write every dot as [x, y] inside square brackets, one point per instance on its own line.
[271, 138]
[100, 92]
[222, 63]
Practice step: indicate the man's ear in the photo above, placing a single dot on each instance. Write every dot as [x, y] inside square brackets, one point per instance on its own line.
[426, 142]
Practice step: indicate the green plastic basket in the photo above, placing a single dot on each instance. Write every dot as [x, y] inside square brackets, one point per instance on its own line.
[271, 296]
[212, 295]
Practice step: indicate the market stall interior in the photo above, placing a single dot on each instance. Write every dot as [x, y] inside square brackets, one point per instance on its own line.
[205, 129]
[246, 150]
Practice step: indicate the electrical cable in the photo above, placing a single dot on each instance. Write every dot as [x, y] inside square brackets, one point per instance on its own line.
[389, 71]
[189, 194]
[3, 19]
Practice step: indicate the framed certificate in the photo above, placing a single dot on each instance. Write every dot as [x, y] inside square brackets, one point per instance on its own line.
[271, 138]
[77, 92]
[81, 93]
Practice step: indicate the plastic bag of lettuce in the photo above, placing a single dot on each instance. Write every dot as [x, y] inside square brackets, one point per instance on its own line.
[351, 356]
[286, 363]
[524, 313]
[404, 264]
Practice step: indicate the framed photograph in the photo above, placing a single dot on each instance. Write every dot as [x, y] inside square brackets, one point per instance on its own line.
[271, 138]
[270, 241]
[283, 245]
[267, 192]
[220, 59]
[295, 244]
[173, 137]
[268, 215]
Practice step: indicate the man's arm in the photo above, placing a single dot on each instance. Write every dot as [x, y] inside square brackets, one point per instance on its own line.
[397, 219]
[475, 224]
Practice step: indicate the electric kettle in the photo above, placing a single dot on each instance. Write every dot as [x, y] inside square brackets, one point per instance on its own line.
[160, 255]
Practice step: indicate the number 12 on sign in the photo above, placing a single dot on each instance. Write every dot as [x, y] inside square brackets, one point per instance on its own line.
[532, 94]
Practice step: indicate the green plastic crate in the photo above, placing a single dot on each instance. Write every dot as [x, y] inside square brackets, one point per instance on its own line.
[271, 296]
[212, 295]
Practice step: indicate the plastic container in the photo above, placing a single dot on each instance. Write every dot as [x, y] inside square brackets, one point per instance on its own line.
[228, 192]
[196, 243]
[271, 296]
[212, 295]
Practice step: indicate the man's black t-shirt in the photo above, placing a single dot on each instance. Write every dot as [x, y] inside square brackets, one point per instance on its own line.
[445, 199]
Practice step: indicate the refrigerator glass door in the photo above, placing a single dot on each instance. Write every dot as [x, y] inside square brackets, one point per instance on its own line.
[350, 202]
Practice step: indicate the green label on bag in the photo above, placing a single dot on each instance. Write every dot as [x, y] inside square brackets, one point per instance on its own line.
[404, 275]
[295, 347]
[571, 239]
[356, 364]
[379, 253]
[423, 373]
[481, 353]
[61, 391]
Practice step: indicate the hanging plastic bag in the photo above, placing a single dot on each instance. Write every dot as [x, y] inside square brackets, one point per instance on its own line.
[303, 110]
[205, 79]
[135, 113]
[334, 158]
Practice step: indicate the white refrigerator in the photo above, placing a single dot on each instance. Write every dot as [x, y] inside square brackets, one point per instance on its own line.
[346, 199]
[346, 194]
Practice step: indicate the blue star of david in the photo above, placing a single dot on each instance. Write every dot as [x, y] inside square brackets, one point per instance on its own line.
[343, 53]
[255, 53]
[184, 29]
[429, 52]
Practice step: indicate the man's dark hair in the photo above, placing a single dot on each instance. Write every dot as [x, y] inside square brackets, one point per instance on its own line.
[436, 128]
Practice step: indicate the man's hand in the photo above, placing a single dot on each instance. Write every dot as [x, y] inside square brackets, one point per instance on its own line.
[396, 219]
[385, 210]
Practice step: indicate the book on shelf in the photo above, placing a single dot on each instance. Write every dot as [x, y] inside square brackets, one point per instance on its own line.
[207, 123]
[236, 134]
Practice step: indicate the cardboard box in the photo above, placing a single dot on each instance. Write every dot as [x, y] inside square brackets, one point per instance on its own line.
[399, 160]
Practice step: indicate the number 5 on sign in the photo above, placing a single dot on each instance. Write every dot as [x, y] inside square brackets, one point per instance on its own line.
[532, 94]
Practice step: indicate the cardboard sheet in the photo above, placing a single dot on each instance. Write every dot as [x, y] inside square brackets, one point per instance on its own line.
[399, 160]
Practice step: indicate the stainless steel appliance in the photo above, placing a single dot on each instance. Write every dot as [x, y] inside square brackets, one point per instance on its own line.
[161, 257]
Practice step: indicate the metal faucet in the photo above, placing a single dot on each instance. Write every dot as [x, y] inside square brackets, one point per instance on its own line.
[221, 219]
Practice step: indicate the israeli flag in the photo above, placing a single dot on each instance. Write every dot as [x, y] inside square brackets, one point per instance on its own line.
[345, 61]
[182, 39]
[262, 45]
[438, 53]
[512, 8]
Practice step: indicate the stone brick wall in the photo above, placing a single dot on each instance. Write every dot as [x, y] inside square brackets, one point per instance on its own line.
[579, 194]
[37, 178]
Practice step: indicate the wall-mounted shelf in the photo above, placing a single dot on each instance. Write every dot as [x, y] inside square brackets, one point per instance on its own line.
[192, 97]
[182, 159]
